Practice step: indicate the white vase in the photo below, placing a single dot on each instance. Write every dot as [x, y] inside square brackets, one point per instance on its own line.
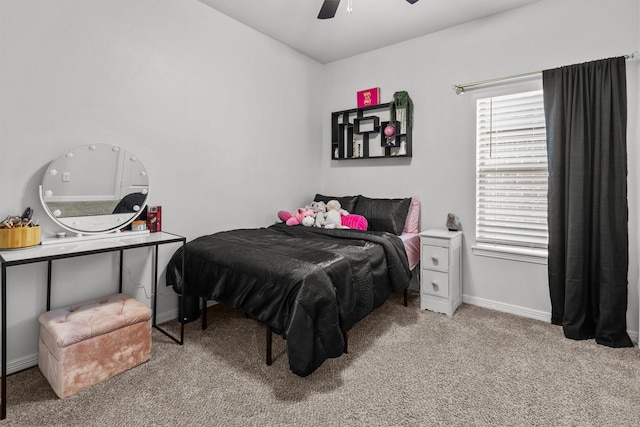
[403, 149]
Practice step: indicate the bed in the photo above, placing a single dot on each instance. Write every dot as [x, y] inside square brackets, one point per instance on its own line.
[309, 285]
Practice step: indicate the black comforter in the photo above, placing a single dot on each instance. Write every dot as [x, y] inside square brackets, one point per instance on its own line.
[309, 285]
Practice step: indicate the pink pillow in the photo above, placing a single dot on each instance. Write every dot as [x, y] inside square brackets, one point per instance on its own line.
[355, 221]
[412, 224]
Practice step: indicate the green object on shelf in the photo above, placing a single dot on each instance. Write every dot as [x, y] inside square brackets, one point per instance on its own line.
[401, 99]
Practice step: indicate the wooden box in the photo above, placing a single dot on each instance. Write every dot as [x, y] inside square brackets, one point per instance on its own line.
[19, 237]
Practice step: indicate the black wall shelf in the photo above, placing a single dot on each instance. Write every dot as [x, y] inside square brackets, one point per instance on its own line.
[358, 133]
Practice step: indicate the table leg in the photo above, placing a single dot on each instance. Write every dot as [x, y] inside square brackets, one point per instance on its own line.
[49, 267]
[121, 267]
[155, 284]
[269, 346]
[3, 408]
[155, 299]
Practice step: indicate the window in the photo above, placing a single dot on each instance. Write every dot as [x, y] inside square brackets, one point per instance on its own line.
[511, 172]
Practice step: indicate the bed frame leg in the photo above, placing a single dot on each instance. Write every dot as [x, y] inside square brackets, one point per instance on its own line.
[405, 298]
[203, 312]
[269, 339]
[344, 337]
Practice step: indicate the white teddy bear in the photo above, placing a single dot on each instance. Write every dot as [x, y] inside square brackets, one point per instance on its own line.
[333, 218]
[320, 209]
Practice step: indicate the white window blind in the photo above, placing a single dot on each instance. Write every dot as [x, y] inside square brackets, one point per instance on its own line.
[511, 172]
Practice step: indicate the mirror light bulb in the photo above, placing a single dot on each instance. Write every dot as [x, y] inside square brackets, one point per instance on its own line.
[69, 155]
[48, 193]
[57, 212]
[53, 172]
[92, 147]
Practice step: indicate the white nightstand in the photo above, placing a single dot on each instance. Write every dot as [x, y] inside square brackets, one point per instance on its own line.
[441, 270]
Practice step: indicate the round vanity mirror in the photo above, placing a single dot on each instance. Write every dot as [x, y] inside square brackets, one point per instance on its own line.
[95, 189]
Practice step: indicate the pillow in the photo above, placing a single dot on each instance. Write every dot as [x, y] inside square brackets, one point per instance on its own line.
[412, 225]
[347, 203]
[387, 215]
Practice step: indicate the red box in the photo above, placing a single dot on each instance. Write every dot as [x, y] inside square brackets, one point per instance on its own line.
[368, 97]
[154, 218]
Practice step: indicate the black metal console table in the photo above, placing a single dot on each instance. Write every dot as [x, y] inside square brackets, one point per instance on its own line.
[77, 248]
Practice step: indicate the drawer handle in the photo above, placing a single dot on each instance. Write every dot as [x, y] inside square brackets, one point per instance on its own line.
[434, 258]
[434, 284]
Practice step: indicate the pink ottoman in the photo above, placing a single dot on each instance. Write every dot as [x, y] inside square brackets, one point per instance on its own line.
[90, 342]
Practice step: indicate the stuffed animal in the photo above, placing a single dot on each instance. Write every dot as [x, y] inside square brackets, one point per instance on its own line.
[354, 221]
[284, 215]
[302, 216]
[317, 206]
[333, 217]
[321, 210]
[309, 220]
[320, 219]
[329, 215]
[334, 205]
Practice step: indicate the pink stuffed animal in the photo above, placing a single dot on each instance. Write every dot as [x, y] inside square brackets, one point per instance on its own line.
[284, 216]
[354, 221]
[302, 216]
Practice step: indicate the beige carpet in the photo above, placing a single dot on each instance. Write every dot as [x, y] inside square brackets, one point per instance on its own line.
[405, 367]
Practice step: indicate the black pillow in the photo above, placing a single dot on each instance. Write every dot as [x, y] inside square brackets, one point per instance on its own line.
[348, 203]
[384, 214]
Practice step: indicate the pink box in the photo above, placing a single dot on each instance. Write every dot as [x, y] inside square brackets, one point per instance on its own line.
[368, 97]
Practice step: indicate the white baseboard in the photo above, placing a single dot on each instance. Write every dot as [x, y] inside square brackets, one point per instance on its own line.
[166, 316]
[22, 363]
[173, 314]
[507, 308]
[522, 311]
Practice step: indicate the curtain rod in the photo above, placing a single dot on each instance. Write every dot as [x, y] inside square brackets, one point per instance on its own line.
[459, 88]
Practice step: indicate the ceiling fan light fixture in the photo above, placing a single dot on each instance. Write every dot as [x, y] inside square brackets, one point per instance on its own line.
[328, 9]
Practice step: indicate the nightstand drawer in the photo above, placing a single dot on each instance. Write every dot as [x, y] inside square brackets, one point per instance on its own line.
[435, 257]
[435, 283]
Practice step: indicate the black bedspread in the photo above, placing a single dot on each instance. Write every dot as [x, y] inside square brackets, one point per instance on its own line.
[309, 285]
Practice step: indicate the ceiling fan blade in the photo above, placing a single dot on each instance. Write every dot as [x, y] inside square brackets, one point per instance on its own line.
[412, 1]
[328, 9]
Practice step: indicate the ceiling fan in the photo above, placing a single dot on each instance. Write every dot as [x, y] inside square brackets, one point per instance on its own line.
[329, 8]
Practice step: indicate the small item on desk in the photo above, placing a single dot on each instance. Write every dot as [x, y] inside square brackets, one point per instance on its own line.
[26, 215]
[19, 231]
[139, 225]
[154, 218]
[16, 221]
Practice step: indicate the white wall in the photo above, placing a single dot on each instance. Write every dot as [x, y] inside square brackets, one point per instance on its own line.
[219, 114]
[542, 35]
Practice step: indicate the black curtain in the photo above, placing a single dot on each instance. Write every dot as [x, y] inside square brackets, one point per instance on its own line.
[586, 119]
